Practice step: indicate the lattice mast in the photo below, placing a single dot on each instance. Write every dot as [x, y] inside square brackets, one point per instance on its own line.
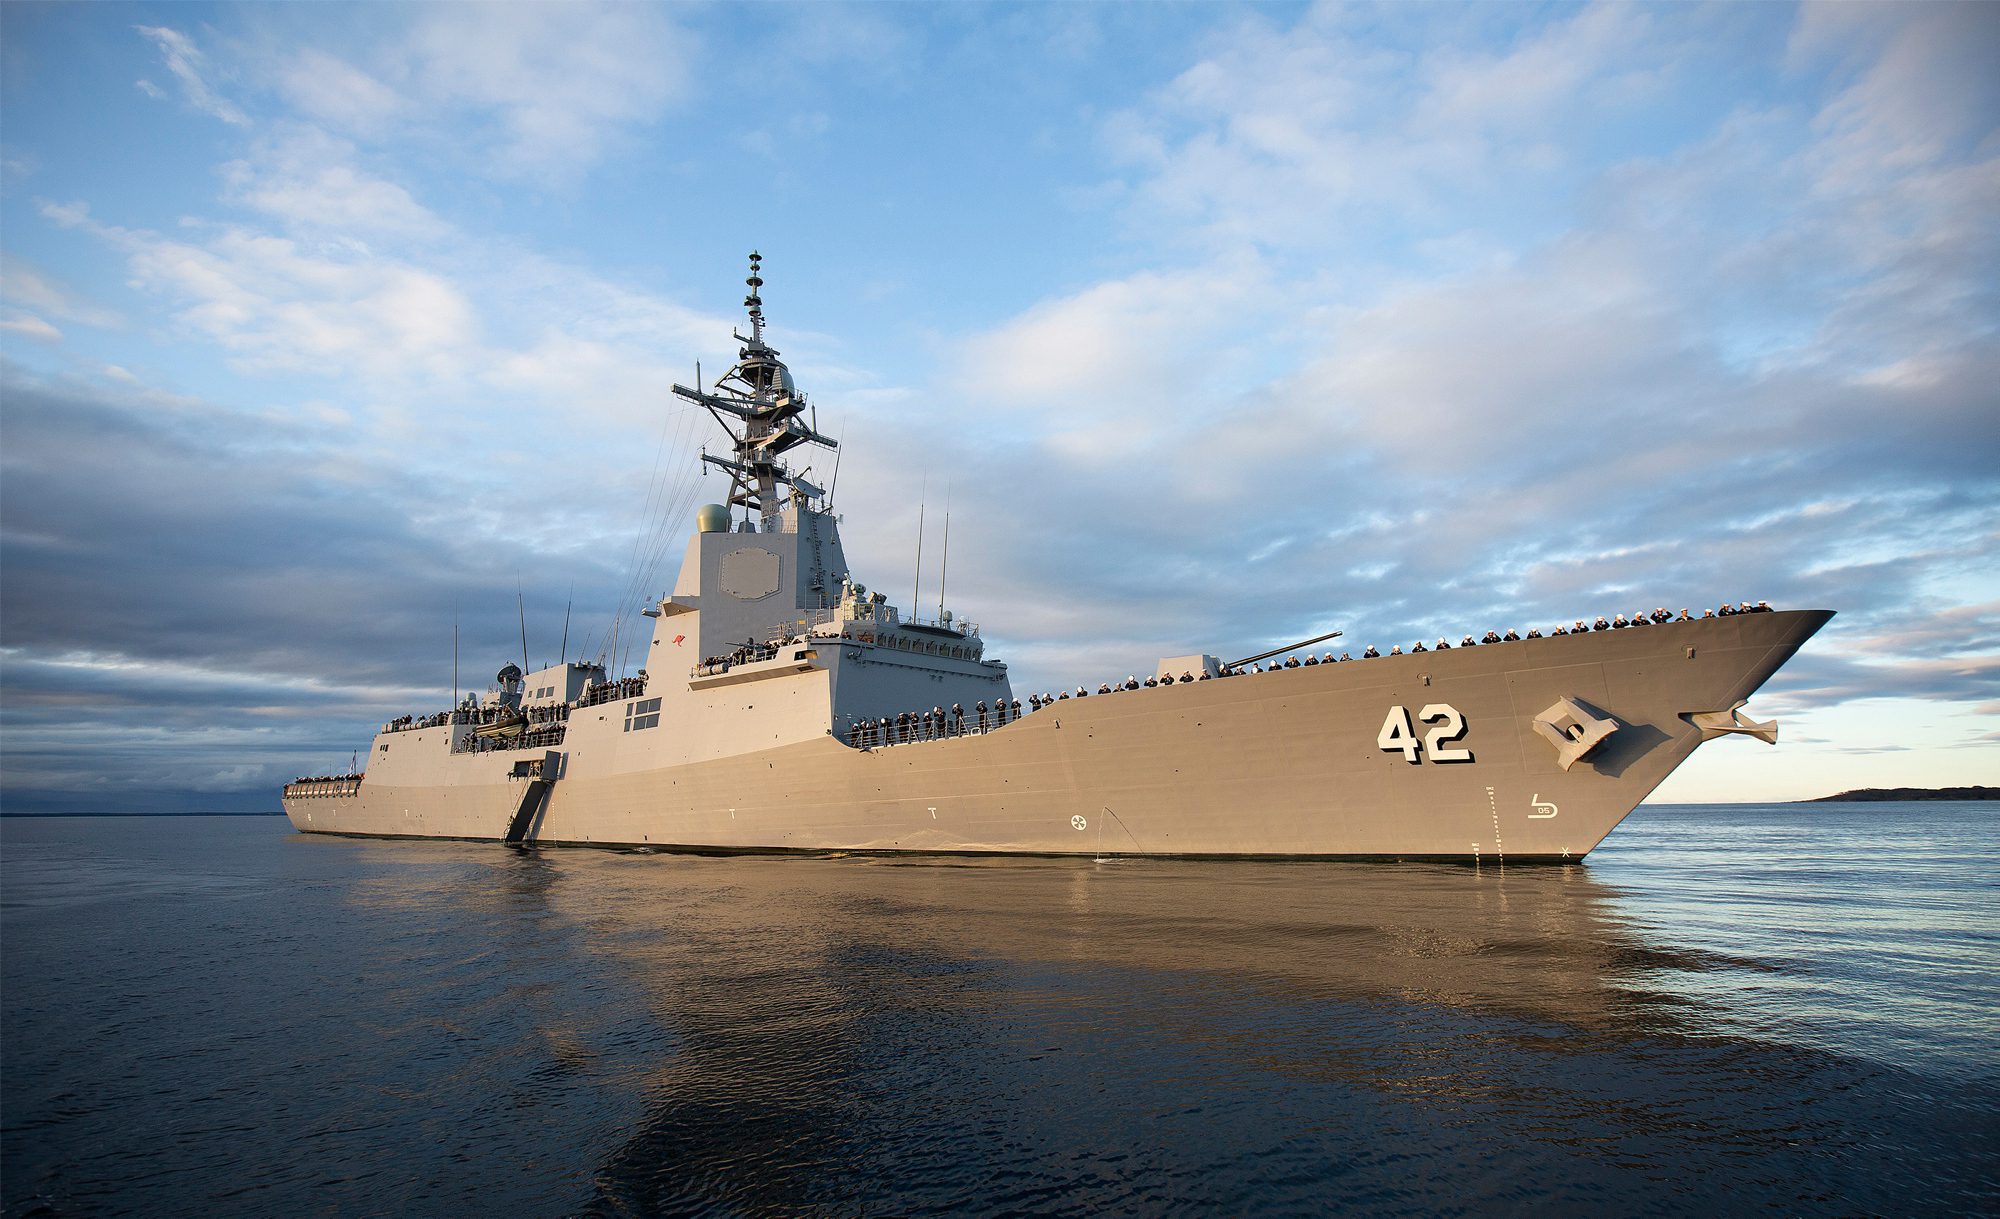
[764, 414]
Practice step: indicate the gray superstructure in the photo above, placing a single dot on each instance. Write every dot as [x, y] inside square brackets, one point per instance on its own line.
[784, 706]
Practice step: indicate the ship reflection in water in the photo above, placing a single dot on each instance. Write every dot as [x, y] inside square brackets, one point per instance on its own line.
[907, 1036]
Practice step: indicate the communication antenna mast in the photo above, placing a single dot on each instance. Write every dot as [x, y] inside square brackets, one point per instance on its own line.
[521, 601]
[945, 562]
[917, 582]
[764, 414]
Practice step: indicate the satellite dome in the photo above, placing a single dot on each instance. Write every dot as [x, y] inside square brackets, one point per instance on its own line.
[512, 672]
[712, 518]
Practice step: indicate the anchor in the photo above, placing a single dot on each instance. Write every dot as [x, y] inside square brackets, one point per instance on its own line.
[1721, 723]
[1575, 732]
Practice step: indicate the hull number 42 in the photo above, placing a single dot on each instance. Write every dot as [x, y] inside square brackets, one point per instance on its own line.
[1397, 735]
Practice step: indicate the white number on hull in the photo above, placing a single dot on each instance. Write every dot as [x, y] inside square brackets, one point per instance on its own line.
[1451, 729]
[1398, 735]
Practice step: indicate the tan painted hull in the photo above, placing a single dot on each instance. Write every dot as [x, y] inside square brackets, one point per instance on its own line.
[1278, 764]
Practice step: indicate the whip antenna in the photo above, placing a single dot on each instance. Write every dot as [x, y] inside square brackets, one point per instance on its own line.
[834, 483]
[917, 582]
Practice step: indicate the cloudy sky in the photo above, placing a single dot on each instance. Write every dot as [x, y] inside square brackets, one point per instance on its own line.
[1215, 327]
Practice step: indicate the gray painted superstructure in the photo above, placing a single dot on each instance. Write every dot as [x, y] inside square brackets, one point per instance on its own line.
[768, 719]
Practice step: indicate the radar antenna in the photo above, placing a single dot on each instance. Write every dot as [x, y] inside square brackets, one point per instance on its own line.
[764, 414]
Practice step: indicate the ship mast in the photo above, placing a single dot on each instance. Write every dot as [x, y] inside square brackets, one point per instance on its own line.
[764, 414]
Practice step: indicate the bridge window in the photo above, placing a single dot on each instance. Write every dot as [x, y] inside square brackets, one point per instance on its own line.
[642, 713]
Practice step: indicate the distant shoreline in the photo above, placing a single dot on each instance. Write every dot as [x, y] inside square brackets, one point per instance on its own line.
[1871, 795]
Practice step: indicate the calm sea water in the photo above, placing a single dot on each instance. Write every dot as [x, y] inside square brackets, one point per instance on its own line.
[1734, 1009]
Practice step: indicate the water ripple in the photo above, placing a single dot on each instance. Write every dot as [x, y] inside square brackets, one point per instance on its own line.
[1730, 1008]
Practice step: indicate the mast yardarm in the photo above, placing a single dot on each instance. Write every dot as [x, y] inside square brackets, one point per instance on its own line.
[764, 414]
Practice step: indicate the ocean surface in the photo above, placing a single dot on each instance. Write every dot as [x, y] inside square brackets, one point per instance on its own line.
[1784, 1009]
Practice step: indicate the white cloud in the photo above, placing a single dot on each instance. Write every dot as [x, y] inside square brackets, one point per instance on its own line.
[31, 326]
[559, 82]
[800, 129]
[26, 285]
[455, 336]
[16, 166]
[191, 68]
[852, 37]
[1312, 137]
[307, 178]
[511, 90]
[1925, 88]
[278, 305]
[1121, 352]
[71, 215]
[329, 90]
[1606, 52]
[595, 375]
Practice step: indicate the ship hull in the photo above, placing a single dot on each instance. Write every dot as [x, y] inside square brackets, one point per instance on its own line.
[1286, 764]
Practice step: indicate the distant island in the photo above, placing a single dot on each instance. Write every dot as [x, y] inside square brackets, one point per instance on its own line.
[1872, 794]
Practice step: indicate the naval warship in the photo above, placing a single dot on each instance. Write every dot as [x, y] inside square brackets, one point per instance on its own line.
[784, 707]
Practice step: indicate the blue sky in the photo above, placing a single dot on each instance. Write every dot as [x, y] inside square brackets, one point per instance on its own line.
[1216, 326]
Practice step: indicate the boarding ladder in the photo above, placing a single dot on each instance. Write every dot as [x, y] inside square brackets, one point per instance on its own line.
[540, 775]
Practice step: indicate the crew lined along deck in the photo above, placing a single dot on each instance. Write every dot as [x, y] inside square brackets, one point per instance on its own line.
[501, 727]
[324, 785]
[749, 654]
[543, 725]
[1658, 617]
